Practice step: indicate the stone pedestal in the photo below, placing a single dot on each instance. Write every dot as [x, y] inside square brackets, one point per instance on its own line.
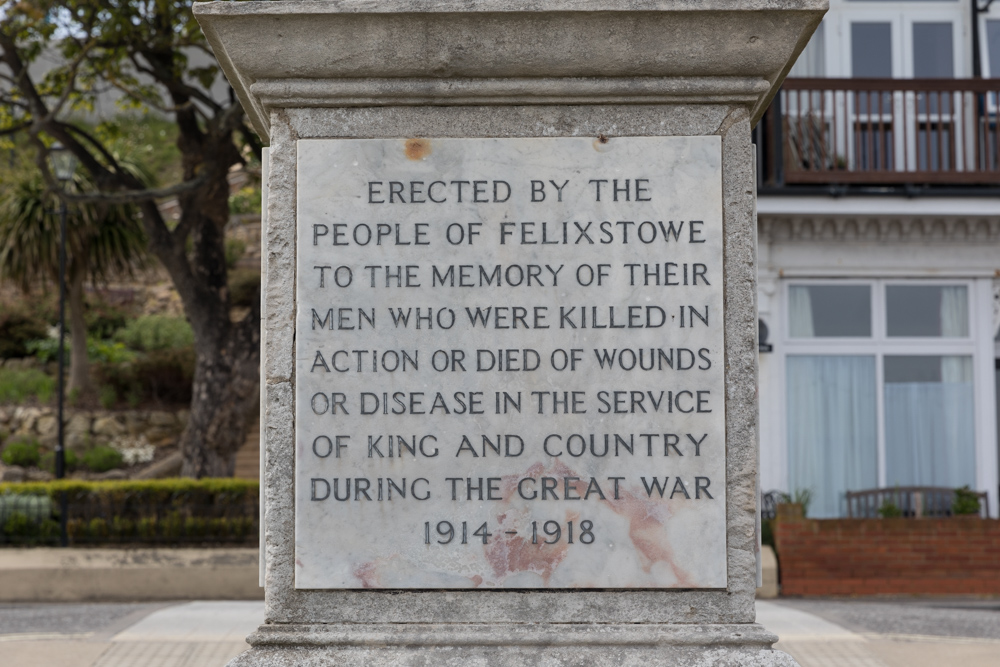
[601, 69]
[604, 645]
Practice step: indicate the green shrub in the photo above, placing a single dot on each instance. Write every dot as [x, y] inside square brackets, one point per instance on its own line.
[108, 351]
[22, 452]
[104, 319]
[107, 396]
[156, 332]
[767, 533]
[244, 287]
[134, 397]
[246, 200]
[235, 249]
[36, 508]
[799, 497]
[18, 385]
[27, 520]
[48, 461]
[889, 510]
[133, 511]
[17, 525]
[966, 502]
[47, 349]
[18, 326]
[162, 376]
[102, 458]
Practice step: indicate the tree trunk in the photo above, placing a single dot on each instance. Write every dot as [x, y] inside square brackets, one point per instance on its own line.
[227, 354]
[79, 371]
[225, 389]
[226, 377]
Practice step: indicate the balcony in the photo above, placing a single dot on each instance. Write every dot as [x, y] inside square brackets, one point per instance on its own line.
[856, 134]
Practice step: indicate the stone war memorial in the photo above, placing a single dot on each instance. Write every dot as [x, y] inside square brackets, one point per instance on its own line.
[510, 356]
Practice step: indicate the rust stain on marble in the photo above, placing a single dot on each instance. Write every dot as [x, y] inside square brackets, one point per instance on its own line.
[417, 149]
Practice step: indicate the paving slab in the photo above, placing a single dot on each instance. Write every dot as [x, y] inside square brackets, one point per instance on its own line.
[210, 633]
[935, 653]
[50, 653]
[816, 641]
[197, 622]
[193, 634]
[170, 654]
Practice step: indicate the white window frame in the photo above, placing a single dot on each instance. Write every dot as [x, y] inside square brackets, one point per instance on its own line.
[902, 16]
[978, 345]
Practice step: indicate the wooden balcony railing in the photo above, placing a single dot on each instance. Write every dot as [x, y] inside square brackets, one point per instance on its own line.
[883, 132]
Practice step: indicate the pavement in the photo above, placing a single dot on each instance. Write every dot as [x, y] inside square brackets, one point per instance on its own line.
[189, 634]
[911, 632]
[818, 633]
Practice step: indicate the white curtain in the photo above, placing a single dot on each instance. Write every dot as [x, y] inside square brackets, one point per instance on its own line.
[812, 61]
[929, 430]
[800, 313]
[832, 428]
[954, 312]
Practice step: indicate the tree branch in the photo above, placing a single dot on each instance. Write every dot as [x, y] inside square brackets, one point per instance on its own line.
[14, 129]
[39, 112]
[251, 138]
[99, 147]
[173, 84]
[70, 85]
[134, 196]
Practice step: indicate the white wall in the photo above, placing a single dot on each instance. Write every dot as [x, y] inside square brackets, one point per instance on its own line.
[876, 238]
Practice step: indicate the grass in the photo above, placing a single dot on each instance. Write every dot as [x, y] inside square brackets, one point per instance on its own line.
[17, 386]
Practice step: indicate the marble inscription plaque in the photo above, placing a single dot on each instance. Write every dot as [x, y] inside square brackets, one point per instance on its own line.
[509, 364]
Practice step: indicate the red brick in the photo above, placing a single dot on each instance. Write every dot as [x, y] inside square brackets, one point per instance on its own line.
[887, 556]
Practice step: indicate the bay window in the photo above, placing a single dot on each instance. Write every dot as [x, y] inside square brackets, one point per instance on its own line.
[880, 390]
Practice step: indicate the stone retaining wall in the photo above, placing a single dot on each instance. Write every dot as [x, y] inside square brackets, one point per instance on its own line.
[161, 428]
[150, 435]
[114, 575]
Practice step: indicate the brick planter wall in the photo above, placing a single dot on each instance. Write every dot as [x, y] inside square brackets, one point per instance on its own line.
[957, 556]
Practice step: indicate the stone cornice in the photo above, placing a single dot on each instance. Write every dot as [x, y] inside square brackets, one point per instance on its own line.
[305, 93]
[965, 229]
[501, 52]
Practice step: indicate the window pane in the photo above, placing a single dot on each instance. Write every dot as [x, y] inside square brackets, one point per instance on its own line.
[871, 50]
[929, 415]
[993, 47]
[933, 57]
[831, 429]
[934, 311]
[835, 311]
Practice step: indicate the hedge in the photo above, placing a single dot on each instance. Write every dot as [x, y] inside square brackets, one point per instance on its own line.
[178, 511]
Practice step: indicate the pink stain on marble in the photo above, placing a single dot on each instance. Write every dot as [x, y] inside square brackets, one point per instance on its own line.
[509, 554]
[648, 533]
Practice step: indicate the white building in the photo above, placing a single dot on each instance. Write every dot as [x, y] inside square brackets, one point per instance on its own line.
[879, 255]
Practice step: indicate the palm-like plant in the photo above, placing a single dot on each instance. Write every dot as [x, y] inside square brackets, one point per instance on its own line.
[102, 241]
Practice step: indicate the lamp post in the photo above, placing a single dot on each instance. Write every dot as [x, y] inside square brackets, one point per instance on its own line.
[63, 164]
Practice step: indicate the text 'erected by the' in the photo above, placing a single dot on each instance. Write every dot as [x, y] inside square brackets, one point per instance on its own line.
[510, 363]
